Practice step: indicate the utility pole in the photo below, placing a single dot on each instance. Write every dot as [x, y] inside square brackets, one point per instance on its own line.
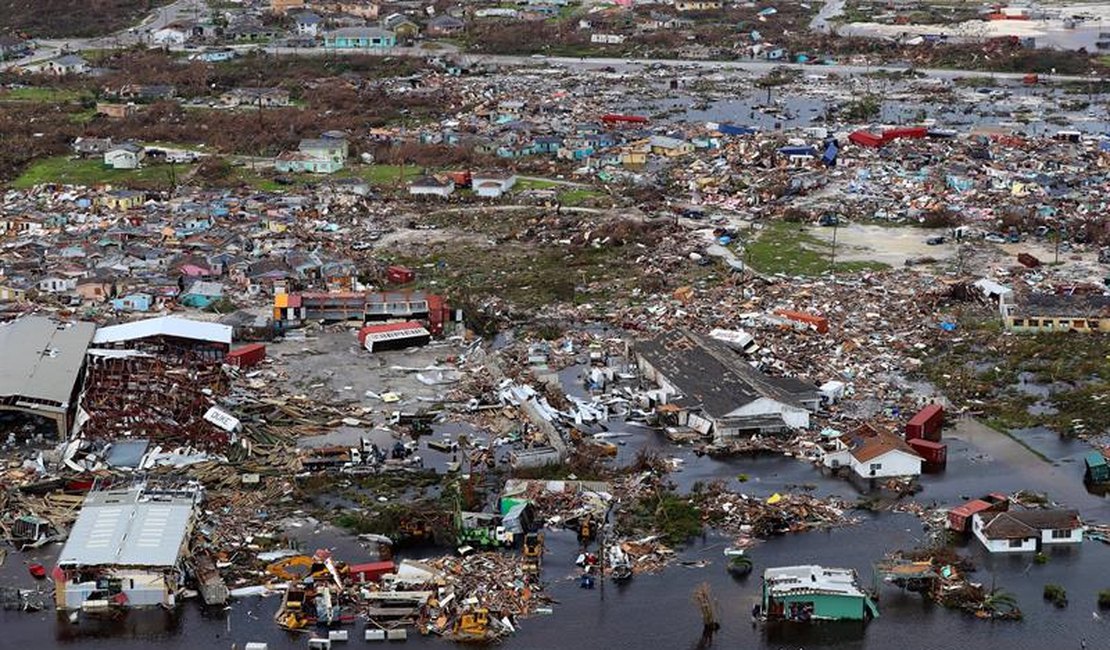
[832, 264]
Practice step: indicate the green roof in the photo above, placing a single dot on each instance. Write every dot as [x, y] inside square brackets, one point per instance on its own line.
[1095, 459]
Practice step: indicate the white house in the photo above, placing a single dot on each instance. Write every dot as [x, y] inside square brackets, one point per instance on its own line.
[66, 65]
[873, 453]
[431, 186]
[169, 36]
[124, 156]
[55, 284]
[308, 24]
[492, 185]
[1026, 531]
[713, 390]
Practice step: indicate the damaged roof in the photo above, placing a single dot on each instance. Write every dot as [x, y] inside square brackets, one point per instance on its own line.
[42, 359]
[128, 527]
[708, 373]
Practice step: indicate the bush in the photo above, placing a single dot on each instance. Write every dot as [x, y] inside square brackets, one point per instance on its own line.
[1104, 599]
[1056, 594]
[1040, 558]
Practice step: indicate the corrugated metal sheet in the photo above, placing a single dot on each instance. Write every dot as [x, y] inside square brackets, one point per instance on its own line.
[128, 528]
[164, 326]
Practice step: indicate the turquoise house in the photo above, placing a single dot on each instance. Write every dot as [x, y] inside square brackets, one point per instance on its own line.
[201, 294]
[132, 302]
[360, 38]
[815, 593]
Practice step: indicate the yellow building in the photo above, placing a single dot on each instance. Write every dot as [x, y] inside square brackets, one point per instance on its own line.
[1053, 313]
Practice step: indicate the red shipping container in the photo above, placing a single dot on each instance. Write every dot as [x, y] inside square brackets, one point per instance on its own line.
[913, 132]
[399, 275]
[247, 355]
[819, 322]
[370, 571]
[866, 139]
[934, 453]
[926, 424]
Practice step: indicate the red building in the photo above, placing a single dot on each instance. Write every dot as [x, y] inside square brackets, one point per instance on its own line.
[926, 424]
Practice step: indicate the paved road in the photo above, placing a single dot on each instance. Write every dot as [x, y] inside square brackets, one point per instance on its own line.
[156, 20]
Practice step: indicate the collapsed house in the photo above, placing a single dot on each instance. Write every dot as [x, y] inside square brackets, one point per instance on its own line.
[717, 392]
[44, 360]
[156, 379]
[127, 549]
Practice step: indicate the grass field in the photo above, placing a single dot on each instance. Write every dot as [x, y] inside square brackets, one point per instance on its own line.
[43, 94]
[783, 247]
[63, 170]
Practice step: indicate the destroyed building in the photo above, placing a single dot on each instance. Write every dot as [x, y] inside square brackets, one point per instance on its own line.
[127, 549]
[43, 367]
[717, 392]
[155, 378]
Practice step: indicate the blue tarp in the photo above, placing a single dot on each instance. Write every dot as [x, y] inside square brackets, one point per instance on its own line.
[798, 151]
[831, 151]
[732, 129]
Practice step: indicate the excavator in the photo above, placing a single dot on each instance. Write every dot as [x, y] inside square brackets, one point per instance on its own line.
[532, 552]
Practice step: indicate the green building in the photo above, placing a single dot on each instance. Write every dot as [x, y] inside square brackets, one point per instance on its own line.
[1098, 470]
[814, 593]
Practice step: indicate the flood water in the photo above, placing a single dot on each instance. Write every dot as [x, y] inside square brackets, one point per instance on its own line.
[657, 609]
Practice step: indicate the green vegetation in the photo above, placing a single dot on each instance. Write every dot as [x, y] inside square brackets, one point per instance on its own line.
[65, 170]
[863, 108]
[675, 517]
[523, 184]
[984, 368]
[578, 196]
[1104, 599]
[1056, 595]
[44, 94]
[783, 247]
[1040, 558]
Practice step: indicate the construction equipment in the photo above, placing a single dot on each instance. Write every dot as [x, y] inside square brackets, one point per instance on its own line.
[472, 626]
[532, 552]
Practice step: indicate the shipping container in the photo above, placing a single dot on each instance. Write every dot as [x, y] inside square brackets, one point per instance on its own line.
[865, 139]
[934, 453]
[820, 323]
[399, 274]
[247, 355]
[926, 424]
[370, 571]
[460, 178]
[959, 518]
[905, 132]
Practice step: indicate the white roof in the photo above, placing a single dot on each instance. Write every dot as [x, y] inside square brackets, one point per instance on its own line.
[810, 578]
[164, 326]
[128, 528]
